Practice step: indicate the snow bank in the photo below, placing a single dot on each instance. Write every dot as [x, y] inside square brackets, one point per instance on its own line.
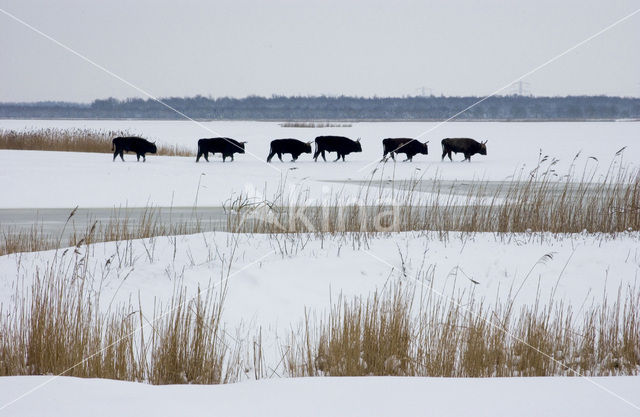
[366, 397]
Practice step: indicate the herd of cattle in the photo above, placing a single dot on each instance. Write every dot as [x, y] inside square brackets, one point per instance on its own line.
[341, 145]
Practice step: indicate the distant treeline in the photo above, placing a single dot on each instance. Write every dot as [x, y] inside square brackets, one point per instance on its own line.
[337, 108]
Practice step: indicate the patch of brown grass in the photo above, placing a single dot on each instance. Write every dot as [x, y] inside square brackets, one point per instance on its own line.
[74, 140]
[314, 124]
[382, 335]
[56, 327]
[536, 204]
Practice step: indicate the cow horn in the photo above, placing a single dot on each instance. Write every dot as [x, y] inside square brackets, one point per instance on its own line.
[358, 140]
[244, 142]
[485, 142]
[426, 142]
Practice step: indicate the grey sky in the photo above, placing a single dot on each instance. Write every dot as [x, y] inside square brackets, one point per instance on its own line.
[237, 48]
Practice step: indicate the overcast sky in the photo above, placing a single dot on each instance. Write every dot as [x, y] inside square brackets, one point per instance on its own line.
[365, 48]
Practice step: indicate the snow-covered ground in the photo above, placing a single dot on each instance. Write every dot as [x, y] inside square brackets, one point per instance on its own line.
[327, 397]
[47, 179]
[273, 279]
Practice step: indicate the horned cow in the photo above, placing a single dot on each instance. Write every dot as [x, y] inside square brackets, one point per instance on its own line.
[294, 147]
[135, 144]
[226, 146]
[409, 147]
[466, 146]
[338, 144]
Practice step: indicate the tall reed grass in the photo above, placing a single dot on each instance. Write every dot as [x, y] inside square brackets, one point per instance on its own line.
[57, 327]
[538, 203]
[386, 334]
[74, 140]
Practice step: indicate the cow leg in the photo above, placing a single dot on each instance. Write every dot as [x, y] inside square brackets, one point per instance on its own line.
[280, 157]
[294, 157]
[444, 153]
[115, 154]
[324, 156]
[231, 157]
[270, 156]
[138, 157]
[393, 156]
[409, 158]
[199, 155]
[315, 155]
[122, 155]
[206, 156]
[144, 158]
[384, 155]
[450, 158]
[338, 158]
[342, 157]
[467, 157]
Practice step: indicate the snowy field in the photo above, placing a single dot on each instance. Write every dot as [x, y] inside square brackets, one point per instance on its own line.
[47, 179]
[267, 288]
[273, 279]
[353, 397]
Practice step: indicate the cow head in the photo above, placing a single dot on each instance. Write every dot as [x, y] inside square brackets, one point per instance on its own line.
[307, 148]
[483, 148]
[153, 148]
[425, 148]
[358, 147]
[241, 149]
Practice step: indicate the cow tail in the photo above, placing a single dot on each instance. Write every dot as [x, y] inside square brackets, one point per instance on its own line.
[113, 144]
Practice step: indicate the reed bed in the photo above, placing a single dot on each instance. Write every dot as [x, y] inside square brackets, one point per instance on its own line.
[57, 327]
[74, 140]
[314, 124]
[385, 335]
[539, 203]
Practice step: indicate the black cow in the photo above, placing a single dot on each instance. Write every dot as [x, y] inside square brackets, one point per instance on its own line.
[339, 144]
[225, 146]
[293, 146]
[463, 145]
[407, 146]
[134, 144]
